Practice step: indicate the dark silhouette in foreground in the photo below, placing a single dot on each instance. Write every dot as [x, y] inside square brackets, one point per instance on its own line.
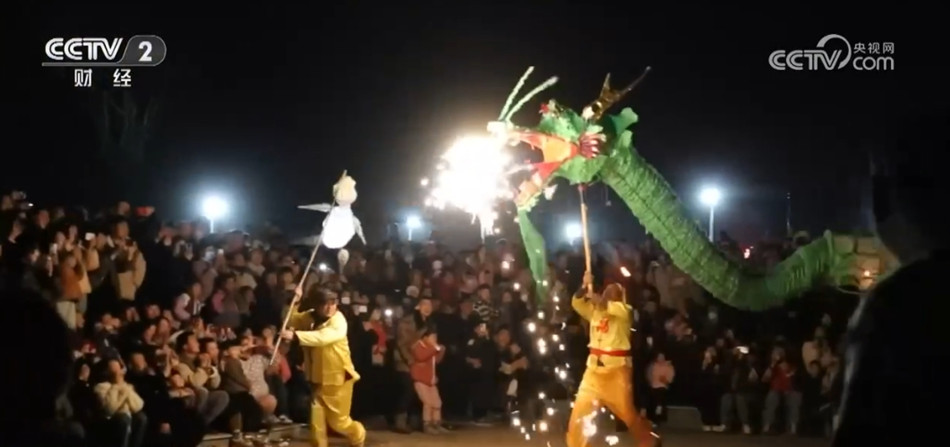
[895, 386]
[38, 343]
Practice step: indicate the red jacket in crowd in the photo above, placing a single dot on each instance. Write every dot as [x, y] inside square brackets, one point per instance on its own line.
[781, 379]
[425, 357]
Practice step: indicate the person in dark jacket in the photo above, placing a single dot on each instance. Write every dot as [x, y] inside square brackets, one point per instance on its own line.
[708, 391]
[894, 376]
[810, 419]
[742, 380]
[243, 414]
[481, 362]
[172, 423]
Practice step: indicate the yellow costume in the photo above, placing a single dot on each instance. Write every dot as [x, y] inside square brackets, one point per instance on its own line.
[329, 368]
[608, 379]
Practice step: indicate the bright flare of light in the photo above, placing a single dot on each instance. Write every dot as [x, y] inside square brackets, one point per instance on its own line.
[573, 231]
[323, 267]
[710, 196]
[424, 182]
[388, 312]
[515, 422]
[612, 440]
[214, 207]
[747, 253]
[413, 222]
[542, 426]
[589, 427]
[550, 411]
[624, 272]
[505, 265]
[473, 176]
[532, 327]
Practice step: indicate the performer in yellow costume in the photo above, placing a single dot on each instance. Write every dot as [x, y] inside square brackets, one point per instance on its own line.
[328, 366]
[608, 379]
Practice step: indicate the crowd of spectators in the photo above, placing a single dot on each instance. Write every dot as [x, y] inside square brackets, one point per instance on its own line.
[172, 330]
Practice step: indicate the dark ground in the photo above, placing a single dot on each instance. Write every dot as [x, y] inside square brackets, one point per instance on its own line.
[506, 437]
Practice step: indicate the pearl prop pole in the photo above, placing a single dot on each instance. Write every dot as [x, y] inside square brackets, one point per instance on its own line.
[300, 285]
[587, 261]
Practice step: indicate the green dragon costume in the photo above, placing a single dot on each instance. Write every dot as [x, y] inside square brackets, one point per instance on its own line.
[588, 147]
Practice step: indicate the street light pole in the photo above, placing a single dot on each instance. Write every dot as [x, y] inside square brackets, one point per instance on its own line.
[710, 197]
[412, 222]
[213, 209]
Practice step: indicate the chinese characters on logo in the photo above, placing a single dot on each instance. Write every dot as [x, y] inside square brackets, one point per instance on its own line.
[874, 48]
[121, 77]
[82, 77]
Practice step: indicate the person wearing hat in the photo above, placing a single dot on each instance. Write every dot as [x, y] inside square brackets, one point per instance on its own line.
[321, 331]
[608, 378]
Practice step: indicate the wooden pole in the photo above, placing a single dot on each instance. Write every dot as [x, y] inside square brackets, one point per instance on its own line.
[587, 261]
[303, 280]
[300, 288]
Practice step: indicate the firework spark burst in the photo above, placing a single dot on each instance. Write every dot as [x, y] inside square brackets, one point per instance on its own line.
[473, 177]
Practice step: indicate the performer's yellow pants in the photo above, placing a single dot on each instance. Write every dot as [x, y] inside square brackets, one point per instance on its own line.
[331, 406]
[610, 387]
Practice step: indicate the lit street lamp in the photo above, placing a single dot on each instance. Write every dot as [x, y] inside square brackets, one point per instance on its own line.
[710, 196]
[413, 223]
[573, 231]
[213, 209]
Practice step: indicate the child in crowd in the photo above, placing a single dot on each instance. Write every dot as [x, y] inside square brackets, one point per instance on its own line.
[427, 352]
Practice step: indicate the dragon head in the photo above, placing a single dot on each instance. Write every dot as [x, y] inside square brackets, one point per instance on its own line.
[561, 136]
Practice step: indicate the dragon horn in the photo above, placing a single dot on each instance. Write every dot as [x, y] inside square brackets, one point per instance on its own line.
[608, 97]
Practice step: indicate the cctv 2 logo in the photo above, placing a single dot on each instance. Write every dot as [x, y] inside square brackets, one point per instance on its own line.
[141, 50]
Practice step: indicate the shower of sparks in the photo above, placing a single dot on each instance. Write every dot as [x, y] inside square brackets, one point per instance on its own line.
[589, 427]
[473, 177]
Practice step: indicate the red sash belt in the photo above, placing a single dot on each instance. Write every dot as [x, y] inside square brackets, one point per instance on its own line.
[599, 352]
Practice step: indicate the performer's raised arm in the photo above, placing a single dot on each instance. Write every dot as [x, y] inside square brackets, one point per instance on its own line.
[334, 331]
[580, 303]
[299, 320]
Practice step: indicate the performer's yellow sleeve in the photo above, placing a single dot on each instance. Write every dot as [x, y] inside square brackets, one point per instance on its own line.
[582, 306]
[333, 331]
[300, 320]
[618, 310]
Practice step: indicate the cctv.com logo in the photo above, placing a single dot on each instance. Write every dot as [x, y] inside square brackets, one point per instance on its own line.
[834, 52]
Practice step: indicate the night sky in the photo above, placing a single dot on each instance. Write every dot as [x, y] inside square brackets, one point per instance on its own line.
[269, 105]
